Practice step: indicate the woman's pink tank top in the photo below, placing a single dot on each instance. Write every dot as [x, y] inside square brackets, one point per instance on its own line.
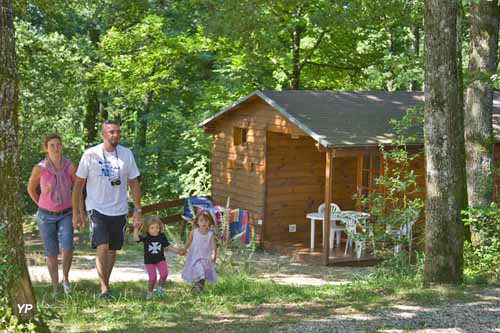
[45, 186]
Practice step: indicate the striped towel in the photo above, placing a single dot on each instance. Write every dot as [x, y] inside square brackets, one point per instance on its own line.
[239, 223]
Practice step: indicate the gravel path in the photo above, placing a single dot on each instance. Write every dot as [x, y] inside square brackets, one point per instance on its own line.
[478, 316]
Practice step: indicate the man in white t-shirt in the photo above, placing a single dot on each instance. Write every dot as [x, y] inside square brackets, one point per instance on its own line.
[108, 169]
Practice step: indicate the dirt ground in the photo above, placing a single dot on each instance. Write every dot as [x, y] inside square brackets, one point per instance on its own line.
[263, 265]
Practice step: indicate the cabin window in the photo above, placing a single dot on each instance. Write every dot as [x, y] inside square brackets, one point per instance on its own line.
[368, 170]
[239, 136]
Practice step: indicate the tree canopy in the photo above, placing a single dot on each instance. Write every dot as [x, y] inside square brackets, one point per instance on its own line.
[161, 67]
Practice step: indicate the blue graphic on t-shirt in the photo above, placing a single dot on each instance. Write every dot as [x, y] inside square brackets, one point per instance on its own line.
[108, 170]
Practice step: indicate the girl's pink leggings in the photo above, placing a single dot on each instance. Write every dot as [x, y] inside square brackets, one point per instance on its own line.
[162, 269]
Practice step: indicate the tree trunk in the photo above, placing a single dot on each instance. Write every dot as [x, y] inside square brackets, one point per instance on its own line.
[444, 145]
[16, 281]
[460, 19]
[415, 49]
[92, 107]
[295, 79]
[91, 113]
[479, 103]
[103, 106]
[142, 126]
[389, 85]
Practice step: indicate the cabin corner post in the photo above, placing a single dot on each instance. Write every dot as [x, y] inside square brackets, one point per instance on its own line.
[359, 180]
[328, 199]
[261, 228]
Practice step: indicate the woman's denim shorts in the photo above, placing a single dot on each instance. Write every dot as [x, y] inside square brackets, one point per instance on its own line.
[56, 230]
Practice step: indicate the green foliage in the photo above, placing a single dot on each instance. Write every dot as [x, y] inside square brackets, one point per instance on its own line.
[333, 41]
[483, 259]
[396, 207]
[399, 266]
[235, 258]
[151, 77]
[162, 67]
[395, 39]
[51, 77]
[9, 322]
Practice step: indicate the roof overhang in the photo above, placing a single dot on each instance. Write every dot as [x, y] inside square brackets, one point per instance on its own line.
[257, 93]
[321, 139]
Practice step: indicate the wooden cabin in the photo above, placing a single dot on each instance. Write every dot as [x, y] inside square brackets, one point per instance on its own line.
[280, 154]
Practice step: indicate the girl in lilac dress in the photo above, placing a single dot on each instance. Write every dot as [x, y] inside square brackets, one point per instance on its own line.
[202, 253]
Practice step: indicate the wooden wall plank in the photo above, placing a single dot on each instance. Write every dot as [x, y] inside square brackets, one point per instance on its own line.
[294, 167]
[295, 179]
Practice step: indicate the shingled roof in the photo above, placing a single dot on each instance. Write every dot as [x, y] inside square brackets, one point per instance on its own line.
[342, 119]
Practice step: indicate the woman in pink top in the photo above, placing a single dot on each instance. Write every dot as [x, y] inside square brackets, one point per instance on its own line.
[55, 175]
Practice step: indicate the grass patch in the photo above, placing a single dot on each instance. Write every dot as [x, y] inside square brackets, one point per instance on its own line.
[233, 298]
[238, 302]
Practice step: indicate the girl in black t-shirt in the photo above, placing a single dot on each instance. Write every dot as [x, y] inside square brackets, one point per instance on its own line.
[155, 242]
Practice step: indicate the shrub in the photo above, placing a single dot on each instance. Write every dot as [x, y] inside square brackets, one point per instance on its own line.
[483, 258]
[395, 207]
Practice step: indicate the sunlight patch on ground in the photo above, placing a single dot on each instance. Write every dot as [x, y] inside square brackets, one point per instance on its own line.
[404, 307]
[359, 316]
[119, 274]
[301, 280]
[407, 311]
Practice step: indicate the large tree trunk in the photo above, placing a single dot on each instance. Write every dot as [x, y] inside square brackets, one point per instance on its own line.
[479, 103]
[16, 281]
[444, 145]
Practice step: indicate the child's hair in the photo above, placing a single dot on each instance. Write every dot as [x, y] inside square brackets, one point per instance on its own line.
[208, 216]
[151, 221]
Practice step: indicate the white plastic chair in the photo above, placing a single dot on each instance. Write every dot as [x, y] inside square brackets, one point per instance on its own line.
[352, 221]
[335, 230]
[405, 231]
[351, 224]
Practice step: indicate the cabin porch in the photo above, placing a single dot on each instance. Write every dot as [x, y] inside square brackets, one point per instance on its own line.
[296, 184]
[301, 252]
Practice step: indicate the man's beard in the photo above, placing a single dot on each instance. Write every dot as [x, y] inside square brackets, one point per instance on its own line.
[114, 144]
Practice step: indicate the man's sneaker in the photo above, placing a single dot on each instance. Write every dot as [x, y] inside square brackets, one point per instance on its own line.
[66, 287]
[149, 295]
[161, 292]
[105, 295]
